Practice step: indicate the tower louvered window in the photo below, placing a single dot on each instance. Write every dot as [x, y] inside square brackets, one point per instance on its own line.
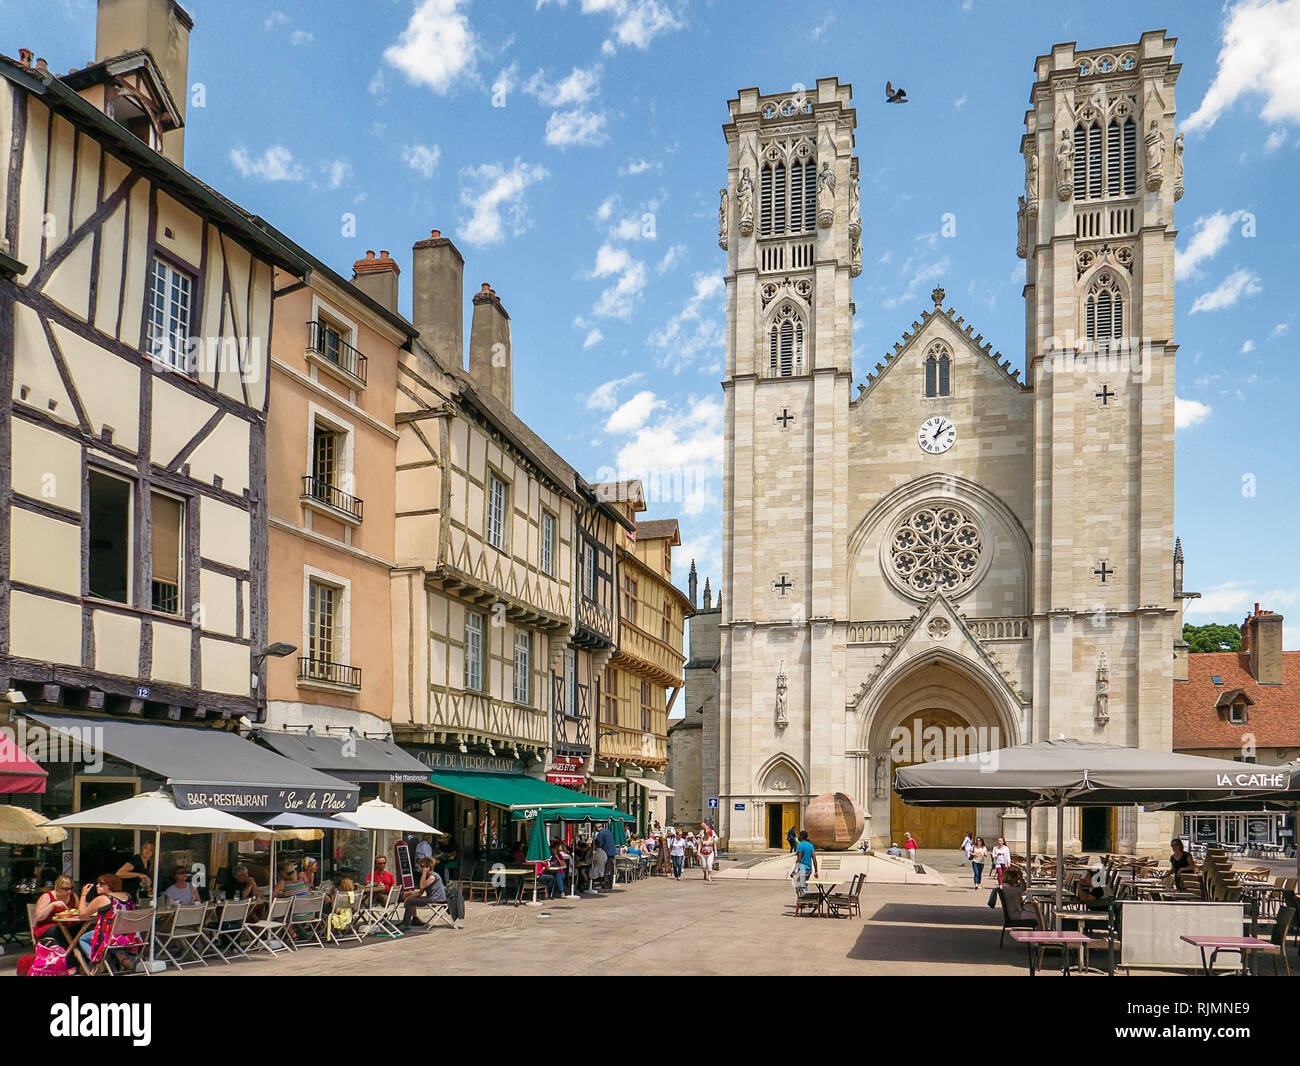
[1103, 310]
[1113, 167]
[1105, 153]
[796, 196]
[786, 344]
[765, 200]
[1094, 162]
[778, 198]
[1080, 163]
[1130, 157]
[810, 194]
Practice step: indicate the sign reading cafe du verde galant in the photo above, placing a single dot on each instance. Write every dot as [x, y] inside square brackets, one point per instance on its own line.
[238, 799]
[483, 764]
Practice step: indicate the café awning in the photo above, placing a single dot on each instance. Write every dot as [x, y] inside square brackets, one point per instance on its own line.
[515, 791]
[655, 788]
[349, 758]
[18, 772]
[587, 812]
[207, 767]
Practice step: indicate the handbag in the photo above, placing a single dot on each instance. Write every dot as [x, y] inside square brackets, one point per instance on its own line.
[50, 960]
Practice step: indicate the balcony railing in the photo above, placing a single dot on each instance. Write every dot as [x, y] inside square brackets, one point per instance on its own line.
[321, 491]
[332, 348]
[330, 673]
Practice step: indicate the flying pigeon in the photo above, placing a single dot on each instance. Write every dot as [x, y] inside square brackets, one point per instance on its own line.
[895, 96]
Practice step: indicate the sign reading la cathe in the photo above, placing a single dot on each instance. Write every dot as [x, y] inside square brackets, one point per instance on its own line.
[1252, 780]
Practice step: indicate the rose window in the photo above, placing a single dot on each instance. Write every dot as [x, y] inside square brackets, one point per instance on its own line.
[936, 549]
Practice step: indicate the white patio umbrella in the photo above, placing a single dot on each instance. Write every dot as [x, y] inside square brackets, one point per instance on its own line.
[156, 811]
[376, 816]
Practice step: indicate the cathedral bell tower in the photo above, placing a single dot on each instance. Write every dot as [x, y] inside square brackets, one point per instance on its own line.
[790, 225]
[1103, 169]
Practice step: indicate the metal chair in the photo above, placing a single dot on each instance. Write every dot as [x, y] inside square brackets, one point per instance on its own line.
[136, 924]
[186, 933]
[345, 919]
[305, 914]
[272, 929]
[230, 928]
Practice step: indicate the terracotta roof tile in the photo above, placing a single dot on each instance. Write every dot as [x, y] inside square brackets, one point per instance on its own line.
[1274, 717]
[658, 527]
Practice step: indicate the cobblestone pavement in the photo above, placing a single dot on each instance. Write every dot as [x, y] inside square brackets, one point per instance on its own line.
[658, 926]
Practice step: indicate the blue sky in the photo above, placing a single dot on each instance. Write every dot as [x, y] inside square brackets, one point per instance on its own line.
[573, 150]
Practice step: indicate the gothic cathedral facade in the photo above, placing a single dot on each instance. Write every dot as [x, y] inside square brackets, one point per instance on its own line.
[949, 558]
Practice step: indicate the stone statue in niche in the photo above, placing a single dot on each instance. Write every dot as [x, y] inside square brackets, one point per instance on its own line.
[1031, 181]
[1103, 691]
[722, 219]
[1178, 167]
[1064, 167]
[781, 685]
[745, 203]
[1155, 142]
[855, 267]
[855, 210]
[880, 786]
[825, 196]
[1022, 229]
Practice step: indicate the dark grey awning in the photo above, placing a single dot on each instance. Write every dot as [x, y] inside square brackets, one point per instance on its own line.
[352, 758]
[207, 767]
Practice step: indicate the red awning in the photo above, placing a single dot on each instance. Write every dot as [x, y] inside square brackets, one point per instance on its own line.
[18, 773]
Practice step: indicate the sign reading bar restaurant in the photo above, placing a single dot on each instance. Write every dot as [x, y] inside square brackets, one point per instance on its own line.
[249, 799]
[482, 764]
[566, 770]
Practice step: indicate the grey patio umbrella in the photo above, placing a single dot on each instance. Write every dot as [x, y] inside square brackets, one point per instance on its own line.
[1064, 773]
[1285, 800]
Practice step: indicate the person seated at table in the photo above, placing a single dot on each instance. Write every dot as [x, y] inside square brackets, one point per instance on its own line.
[290, 882]
[430, 890]
[309, 869]
[517, 855]
[448, 859]
[1091, 886]
[242, 885]
[180, 891]
[106, 902]
[381, 875]
[57, 900]
[895, 851]
[1013, 889]
[1180, 861]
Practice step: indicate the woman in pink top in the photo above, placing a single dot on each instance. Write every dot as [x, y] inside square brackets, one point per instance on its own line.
[909, 845]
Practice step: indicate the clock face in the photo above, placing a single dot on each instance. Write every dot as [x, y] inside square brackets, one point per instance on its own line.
[937, 434]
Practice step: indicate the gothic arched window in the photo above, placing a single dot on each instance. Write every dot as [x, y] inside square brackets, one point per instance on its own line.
[787, 190]
[1103, 309]
[786, 343]
[938, 370]
[1106, 151]
[765, 200]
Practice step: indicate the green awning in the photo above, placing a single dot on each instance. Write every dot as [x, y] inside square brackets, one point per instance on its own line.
[582, 813]
[516, 791]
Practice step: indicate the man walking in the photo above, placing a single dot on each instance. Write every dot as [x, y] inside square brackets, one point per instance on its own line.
[791, 839]
[603, 854]
[805, 862]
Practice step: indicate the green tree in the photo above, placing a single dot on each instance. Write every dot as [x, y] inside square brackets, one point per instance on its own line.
[1212, 637]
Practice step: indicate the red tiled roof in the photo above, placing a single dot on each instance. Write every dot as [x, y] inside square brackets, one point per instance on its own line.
[1273, 718]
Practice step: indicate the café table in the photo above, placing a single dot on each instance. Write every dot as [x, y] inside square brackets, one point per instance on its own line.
[1244, 946]
[1041, 938]
[73, 927]
[1094, 917]
[825, 886]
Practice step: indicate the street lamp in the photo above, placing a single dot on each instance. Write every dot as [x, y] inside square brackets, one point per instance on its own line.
[277, 650]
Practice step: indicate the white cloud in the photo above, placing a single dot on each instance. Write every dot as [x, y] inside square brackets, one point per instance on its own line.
[422, 158]
[504, 85]
[822, 28]
[693, 330]
[633, 167]
[337, 171]
[960, 102]
[677, 454]
[577, 87]
[1236, 285]
[604, 397]
[1278, 330]
[299, 37]
[495, 197]
[1249, 346]
[1233, 600]
[606, 208]
[1274, 141]
[275, 164]
[1260, 41]
[631, 415]
[1188, 413]
[619, 300]
[917, 276]
[671, 258]
[593, 338]
[634, 22]
[1211, 234]
[377, 87]
[576, 127]
[436, 47]
[274, 19]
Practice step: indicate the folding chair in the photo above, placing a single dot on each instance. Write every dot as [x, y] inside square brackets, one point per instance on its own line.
[272, 929]
[345, 918]
[185, 932]
[230, 927]
[125, 923]
[306, 914]
[438, 914]
[375, 919]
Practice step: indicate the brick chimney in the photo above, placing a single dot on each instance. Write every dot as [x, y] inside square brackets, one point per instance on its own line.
[376, 276]
[1261, 641]
[163, 27]
[489, 346]
[437, 296]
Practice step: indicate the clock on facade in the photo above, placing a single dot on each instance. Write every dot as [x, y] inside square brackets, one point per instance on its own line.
[936, 434]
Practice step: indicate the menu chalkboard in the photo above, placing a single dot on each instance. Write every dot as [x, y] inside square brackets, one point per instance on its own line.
[404, 867]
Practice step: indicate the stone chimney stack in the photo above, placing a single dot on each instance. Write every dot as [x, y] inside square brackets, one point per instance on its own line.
[437, 297]
[489, 347]
[1262, 641]
[163, 27]
[694, 583]
[377, 278]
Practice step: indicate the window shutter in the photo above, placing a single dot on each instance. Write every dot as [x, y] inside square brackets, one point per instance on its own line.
[1118, 317]
[1090, 313]
[1080, 163]
[1114, 166]
[765, 200]
[166, 522]
[1103, 315]
[787, 348]
[810, 194]
[1130, 157]
[778, 199]
[798, 347]
[1094, 162]
[773, 368]
[796, 197]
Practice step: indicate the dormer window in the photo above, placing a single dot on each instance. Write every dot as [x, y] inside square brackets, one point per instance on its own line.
[1237, 714]
[1235, 705]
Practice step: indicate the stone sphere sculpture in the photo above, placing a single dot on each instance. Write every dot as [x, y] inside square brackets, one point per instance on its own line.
[833, 821]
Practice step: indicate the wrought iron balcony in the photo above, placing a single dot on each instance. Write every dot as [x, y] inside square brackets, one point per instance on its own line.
[319, 490]
[330, 673]
[329, 346]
